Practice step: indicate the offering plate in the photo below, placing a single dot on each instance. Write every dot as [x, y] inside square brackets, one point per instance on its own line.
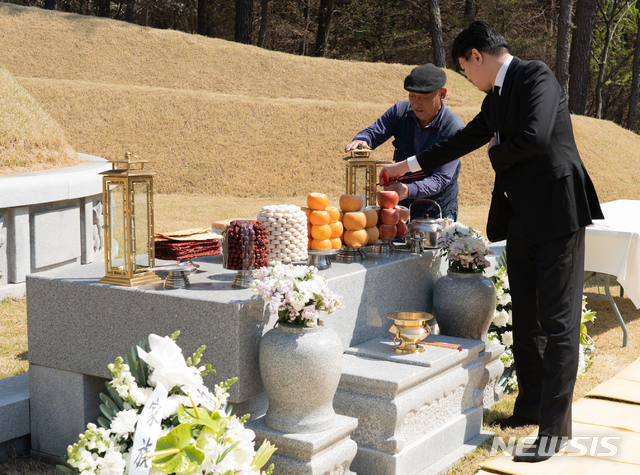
[351, 254]
[408, 328]
[243, 279]
[320, 259]
[178, 274]
[383, 247]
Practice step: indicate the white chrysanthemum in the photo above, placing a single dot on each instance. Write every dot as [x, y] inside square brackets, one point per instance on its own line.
[113, 463]
[510, 317]
[124, 423]
[507, 339]
[582, 362]
[505, 299]
[141, 395]
[171, 405]
[500, 318]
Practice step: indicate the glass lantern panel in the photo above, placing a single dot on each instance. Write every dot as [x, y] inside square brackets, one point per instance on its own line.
[140, 209]
[115, 231]
[364, 179]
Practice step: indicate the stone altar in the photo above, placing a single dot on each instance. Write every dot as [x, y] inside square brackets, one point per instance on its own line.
[78, 326]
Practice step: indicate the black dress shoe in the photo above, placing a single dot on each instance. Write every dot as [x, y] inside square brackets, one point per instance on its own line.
[543, 448]
[513, 422]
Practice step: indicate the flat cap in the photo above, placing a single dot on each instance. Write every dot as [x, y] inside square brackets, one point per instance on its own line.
[425, 79]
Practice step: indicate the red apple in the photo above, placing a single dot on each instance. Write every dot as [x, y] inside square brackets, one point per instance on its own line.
[405, 214]
[389, 216]
[387, 231]
[402, 230]
[387, 199]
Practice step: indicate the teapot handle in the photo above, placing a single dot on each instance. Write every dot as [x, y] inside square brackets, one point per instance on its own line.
[426, 200]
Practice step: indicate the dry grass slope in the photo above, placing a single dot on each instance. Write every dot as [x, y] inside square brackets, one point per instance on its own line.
[221, 118]
[29, 138]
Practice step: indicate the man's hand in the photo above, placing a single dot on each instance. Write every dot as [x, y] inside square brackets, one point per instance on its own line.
[354, 145]
[493, 142]
[393, 170]
[400, 188]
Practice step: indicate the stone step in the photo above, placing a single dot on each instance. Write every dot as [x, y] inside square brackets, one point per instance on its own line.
[14, 414]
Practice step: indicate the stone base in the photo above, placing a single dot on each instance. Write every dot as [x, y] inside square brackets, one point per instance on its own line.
[412, 410]
[425, 454]
[329, 452]
[493, 369]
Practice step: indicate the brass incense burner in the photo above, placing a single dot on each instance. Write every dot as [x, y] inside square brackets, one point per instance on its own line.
[408, 328]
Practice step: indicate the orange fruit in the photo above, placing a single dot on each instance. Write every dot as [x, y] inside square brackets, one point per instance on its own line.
[320, 231]
[320, 245]
[355, 238]
[307, 211]
[372, 216]
[334, 214]
[319, 217]
[354, 220]
[317, 201]
[336, 243]
[349, 203]
[373, 234]
[336, 229]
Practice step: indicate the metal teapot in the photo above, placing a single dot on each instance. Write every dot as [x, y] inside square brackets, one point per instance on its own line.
[423, 233]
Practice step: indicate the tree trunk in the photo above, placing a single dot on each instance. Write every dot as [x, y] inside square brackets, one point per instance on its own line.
[202, 17]
[324, 25]
[469, 10]
[635, 81]
[128, 16]
[612, 18]
[52, 4]
[244, 19]
[263, 22]
[304, 47]
[435, 25]
[104, 8]
[564, 41]
[585, 19]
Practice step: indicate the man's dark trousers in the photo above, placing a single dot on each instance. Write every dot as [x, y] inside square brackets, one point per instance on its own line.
[546, 290]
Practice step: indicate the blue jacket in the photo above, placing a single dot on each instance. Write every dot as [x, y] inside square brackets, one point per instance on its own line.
[449, 124]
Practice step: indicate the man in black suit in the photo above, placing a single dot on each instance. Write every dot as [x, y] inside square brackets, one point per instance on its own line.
[542, 200]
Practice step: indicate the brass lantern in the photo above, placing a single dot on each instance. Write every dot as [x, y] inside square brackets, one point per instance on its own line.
[362, 174]
[127, 204]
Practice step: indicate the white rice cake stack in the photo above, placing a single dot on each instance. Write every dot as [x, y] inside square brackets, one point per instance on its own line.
[287, 226]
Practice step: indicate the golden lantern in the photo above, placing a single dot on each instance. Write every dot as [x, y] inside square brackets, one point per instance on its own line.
[362, 174]
[127, 206]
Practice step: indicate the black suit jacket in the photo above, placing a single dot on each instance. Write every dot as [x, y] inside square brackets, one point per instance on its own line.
[539, 174]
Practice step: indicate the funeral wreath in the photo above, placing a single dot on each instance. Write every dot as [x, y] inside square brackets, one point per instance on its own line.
[159, 418]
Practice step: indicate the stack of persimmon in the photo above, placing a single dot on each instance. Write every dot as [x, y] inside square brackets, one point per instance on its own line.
[324, 226]
[356, 222]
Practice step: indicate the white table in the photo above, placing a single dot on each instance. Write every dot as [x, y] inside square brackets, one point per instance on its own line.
[612, 247]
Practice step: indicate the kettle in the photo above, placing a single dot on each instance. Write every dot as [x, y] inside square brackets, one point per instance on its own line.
[423, 233]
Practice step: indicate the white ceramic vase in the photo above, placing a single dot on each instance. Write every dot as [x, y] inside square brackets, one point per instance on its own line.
[300, 368]
[463, 304]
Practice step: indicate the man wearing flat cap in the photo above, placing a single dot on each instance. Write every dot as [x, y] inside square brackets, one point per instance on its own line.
[416, 125]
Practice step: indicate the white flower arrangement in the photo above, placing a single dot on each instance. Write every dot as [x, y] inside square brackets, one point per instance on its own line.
[153, 424]
[501, 331]
[464, 247]
[296, 294]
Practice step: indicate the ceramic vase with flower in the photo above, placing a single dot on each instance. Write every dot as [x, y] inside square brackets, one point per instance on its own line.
[300, 359]
[464, 300]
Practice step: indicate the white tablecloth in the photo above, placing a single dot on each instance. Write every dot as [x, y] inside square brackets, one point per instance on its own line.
[613, 245]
